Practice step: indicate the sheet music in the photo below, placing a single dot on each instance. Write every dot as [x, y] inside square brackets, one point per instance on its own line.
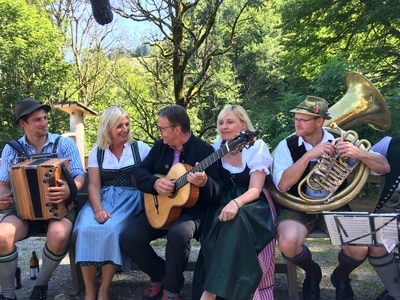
[351, 227]
[359, 228]
[388, 235]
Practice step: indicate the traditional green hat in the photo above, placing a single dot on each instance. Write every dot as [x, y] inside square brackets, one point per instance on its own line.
[313, 106]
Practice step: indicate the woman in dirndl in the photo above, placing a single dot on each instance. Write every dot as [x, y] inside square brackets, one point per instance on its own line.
[236, 259]
[113, 202]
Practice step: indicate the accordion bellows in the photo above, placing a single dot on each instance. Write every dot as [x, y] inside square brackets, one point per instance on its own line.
[30, 181]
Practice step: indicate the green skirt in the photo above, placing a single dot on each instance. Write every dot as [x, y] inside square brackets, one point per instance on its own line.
[228, 265]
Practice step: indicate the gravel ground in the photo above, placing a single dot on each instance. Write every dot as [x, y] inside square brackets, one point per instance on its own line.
[131, 285]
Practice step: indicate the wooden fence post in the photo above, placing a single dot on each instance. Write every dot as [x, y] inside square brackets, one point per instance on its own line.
[77, 111]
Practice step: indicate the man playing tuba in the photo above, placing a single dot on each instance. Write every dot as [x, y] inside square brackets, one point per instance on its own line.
[294, 158]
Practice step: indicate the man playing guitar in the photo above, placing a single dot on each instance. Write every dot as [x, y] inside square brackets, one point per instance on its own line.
[178, 145]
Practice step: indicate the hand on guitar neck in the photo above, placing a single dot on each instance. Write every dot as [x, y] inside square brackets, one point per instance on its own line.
[197, 178]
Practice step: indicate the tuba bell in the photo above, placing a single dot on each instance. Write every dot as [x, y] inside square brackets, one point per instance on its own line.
[362, 104]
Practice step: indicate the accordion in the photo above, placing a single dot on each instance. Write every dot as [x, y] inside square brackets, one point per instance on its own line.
[29, 183]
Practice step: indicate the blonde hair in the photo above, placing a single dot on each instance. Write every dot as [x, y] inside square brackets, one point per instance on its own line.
[109, 120]
[239, 112]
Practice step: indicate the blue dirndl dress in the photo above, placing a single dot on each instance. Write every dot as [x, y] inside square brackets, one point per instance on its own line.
[98, 244]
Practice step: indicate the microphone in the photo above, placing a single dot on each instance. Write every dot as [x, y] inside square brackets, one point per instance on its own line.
[102, 11]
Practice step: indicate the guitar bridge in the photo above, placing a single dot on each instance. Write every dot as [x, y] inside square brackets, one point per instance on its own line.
[156, 203]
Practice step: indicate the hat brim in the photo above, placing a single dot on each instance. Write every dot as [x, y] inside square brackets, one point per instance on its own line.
[31, 109]
[306, 112]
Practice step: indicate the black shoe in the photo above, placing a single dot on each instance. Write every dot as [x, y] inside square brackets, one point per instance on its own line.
[5, 298]
[39, 293]
[311, 290]
[384, 296]
[343, 288]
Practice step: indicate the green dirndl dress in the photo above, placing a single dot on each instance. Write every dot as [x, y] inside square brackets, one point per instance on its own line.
[228, 265]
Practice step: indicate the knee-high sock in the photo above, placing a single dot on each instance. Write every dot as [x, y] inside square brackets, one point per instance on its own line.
[50, 262]
[386, 268]
[346, 265]
[8, 265]
[304, 260]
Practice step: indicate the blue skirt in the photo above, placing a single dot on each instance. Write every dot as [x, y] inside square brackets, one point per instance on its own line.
[98, 244]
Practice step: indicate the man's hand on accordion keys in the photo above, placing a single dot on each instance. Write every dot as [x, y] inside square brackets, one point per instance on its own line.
[58, 194]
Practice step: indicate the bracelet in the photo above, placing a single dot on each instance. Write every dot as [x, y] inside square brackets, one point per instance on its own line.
[236, 203]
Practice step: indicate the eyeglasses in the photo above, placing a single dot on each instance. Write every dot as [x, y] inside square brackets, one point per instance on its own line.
[160, 129]
[302, 121]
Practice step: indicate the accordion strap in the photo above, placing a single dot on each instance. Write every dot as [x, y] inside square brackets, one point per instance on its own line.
[16, 145]
[23, 155]
[55, 145]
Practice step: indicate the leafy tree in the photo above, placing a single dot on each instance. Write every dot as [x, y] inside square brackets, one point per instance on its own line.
[88, 47]
[31, 63]
[185, 28]
[325, 40]
[318, 30]
[191, 40]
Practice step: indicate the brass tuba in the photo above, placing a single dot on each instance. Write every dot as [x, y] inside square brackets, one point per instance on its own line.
[362, 104]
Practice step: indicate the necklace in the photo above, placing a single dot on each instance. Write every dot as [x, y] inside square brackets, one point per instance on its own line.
[119, 156]
[115, 152]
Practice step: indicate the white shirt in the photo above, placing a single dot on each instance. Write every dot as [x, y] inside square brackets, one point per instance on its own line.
[283, 160]
[257, 158]
[111, 162]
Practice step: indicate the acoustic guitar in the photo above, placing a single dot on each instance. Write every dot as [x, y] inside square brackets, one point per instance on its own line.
[162, 210]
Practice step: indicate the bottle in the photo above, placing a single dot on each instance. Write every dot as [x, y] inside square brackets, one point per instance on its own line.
[18, 278]
[34, 265]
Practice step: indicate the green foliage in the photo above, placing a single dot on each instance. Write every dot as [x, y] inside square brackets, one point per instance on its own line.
[31, 63]
[265, 55]
[277, 124]
[370, 192]
[366, 33]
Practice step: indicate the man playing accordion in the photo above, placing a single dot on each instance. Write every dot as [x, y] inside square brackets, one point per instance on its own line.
[32, 117]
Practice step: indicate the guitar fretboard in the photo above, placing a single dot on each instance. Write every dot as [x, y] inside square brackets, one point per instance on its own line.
[204, 164]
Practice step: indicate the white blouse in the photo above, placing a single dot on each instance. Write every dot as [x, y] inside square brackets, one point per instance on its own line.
[110, 161]
[257, 157]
